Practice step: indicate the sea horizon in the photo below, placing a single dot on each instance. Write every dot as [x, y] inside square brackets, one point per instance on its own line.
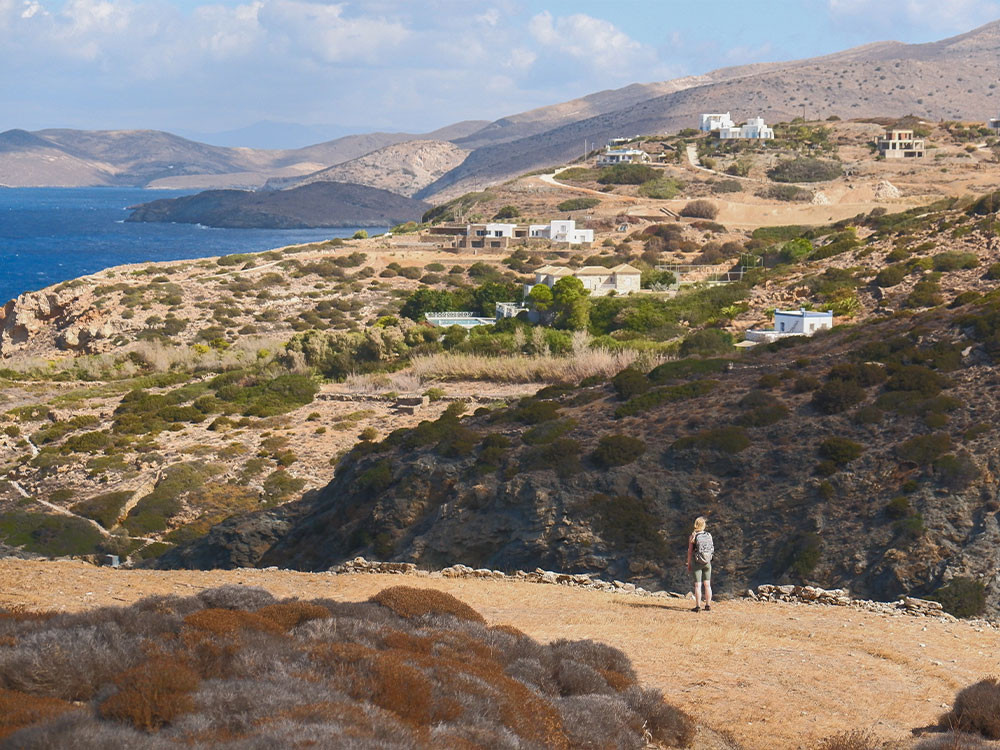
[49, 235]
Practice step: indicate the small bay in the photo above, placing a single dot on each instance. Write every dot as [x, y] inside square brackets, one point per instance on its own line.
[49, 235]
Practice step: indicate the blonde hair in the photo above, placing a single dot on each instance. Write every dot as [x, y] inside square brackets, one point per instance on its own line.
[699, 523]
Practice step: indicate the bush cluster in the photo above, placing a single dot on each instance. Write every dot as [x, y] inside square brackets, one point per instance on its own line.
[617, 450]
[409, 668]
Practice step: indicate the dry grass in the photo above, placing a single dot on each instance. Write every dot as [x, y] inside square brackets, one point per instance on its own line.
[411, 668]
[772, 675]
[545, 368]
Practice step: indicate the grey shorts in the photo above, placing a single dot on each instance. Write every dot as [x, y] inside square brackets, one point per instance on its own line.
[701, 573]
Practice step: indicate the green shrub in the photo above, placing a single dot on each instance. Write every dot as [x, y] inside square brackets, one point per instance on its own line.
[954, 261]
[669, 394]
[956, 471]
[625, 521]
[376, 478]
[869, 414]
[993, 272]
[962, 597]
[507, 212]
[458, 442]
[795, 250]
[578, 204]
[530, 411]
[153, 511]
[836, 396]
[799, 554]
[890, 276]
[917, 380]
[492, 451]
[663, 188]
[707, 342]
[805, 169]
[926, 293]
[898, 507]
[546, 432]
[105, 508]
[561, 455]
[627, 174]
[761, 410]
[840, 450]
[361, 234]
[864, 374]
[787, 193]
[630, 382]
[279, 486]
[731, 439]
[924, 449]
[685, 369]
[50, 535]
[908, 530]
[617, 450]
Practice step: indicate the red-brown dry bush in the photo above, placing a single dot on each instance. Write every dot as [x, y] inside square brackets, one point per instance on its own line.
[287, 615]
[230, 621]
[976, 710]
[410, 602]
[152, 694]
[19, 710]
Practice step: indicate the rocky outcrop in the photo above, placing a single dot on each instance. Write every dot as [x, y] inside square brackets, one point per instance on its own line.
[320, 204]
[63, 317]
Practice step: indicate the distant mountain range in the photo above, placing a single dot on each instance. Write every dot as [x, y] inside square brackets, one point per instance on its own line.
[952, 79]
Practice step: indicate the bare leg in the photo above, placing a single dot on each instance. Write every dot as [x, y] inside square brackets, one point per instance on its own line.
[697, 594]
[708, 592]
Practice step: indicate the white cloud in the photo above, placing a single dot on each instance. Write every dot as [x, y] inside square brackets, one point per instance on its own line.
[588, 40]
[934, 16]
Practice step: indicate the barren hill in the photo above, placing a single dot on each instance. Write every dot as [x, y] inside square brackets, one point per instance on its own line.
[889, 79]
[403, 168]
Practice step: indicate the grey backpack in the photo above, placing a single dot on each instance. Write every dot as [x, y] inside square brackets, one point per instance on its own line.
[704, 548]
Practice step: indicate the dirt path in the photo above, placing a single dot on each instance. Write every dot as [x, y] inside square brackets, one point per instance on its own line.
[775, 675]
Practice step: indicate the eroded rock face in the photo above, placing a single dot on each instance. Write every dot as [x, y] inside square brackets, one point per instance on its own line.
[62, 318]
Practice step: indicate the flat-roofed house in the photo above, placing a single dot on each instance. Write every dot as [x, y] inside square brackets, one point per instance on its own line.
[994, 125]
[612, 156]
[793, 323]
[561, 230]
[710, 122]
[598, 280]
[900, 144]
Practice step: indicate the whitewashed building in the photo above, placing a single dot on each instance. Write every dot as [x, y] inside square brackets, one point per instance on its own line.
[900, 144]
[561, 230]
[710, 122]
[598, 280]
[611, 156]
[493, 229]
[994, 125]
[792, 323]
[754, 128]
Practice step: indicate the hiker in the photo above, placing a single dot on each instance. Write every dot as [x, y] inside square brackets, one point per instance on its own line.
[699, 563]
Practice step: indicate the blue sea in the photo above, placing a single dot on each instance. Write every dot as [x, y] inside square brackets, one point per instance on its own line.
[48, 235]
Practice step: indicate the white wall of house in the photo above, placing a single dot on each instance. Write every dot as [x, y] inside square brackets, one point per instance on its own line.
[755, 128]
[491, 230]
[561, 230]
[623, 156]
[801, 321]
[710, 122]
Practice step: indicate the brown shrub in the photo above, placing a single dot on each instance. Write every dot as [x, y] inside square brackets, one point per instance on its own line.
[230, 621]
[152, 694]
[410, 602]
[665, 722]
[976, 710]
[401, 688]
[18, 710]
[700, 209]
[287, 615]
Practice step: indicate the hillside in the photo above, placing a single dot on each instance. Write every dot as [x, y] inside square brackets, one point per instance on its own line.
[883, 80]
[402, 168]
[318, 204]
[755, 673]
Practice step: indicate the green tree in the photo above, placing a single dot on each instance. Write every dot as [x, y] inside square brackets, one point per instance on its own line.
[795, 250]
[541, 297]
[425, 301]
[571, 304]
[486, 296]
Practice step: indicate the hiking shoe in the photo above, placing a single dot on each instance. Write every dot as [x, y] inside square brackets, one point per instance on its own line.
[708, 607]
[696, 609]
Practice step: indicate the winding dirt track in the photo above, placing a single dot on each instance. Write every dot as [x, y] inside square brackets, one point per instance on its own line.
[775, 675]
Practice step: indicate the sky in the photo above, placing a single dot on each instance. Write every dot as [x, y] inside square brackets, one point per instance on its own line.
[206, 66]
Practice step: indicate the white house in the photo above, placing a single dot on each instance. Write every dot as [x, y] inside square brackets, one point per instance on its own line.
[612, 156]
[754, 128]
[598, 280]
[492, 229]
[710, 122]
[994, 125]
[563, 230]
[792, 323]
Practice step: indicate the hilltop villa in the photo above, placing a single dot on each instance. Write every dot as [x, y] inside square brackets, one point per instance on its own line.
[755, 127]
[612, 156]
[561, 231]
[598, 280]
[899, 144]
[496, 235]
[792, 323]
